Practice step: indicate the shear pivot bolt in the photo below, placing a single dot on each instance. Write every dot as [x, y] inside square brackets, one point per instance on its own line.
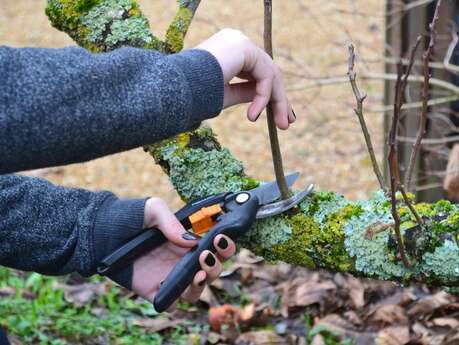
[242, 198]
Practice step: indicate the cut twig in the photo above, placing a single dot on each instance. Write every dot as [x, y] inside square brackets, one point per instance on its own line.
[425, 98]
[273, 138]
[393, 164]
[359, 112]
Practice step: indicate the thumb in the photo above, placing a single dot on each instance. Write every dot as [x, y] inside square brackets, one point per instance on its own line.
[158, 214]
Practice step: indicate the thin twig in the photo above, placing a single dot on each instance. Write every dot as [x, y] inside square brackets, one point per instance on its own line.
[425, 98]
[393, 164]
[359, 112]
[273, 138]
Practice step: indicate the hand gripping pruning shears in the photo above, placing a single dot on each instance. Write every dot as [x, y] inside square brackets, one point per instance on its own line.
[230, 213]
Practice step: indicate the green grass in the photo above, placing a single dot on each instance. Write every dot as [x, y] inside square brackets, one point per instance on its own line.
[38, 313]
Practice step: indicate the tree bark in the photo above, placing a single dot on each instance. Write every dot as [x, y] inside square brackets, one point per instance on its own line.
[330, 232]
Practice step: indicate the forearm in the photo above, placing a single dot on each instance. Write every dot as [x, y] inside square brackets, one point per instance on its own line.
[56, 230]
[60, 106]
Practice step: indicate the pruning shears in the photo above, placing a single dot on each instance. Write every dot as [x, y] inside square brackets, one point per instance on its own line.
[230, 213]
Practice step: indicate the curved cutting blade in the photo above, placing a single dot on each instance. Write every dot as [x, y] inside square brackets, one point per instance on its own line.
[268, 192]
[283, 205]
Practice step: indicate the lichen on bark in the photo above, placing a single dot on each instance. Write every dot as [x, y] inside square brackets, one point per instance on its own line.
[329, 231]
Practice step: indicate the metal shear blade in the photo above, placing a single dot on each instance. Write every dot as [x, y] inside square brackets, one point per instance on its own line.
[275, 208]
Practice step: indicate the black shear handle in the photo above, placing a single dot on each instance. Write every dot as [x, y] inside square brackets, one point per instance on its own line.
[147, 240]
[151, 238]
[232, 224]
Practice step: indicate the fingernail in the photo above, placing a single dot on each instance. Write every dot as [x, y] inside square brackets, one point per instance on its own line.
[210, 260]
[202, 282]
[293, 112]
[189, 236]
[222, 243]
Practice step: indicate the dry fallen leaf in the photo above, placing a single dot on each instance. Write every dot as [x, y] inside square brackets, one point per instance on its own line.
[208, 297]
[232, 316]
[394, 335]
[260, 338]
[337, 324]
[82, 294]
[301, 292]
[318, 340]
[227, 315]
[446, 322]
[388, 315]
[427, 305]
[356, 291]
[426, 336]
[156, 324]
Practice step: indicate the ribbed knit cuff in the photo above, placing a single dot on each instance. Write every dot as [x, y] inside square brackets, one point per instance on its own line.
[205, 81]
[116, 222]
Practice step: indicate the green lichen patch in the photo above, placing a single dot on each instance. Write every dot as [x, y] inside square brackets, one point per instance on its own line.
[111, 24]
[103, 25]
[298, 248]
[443, 264]
[198, 173]
[177, 30]
[373, 257]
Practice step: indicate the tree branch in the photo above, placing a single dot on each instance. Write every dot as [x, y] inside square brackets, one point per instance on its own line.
[393, 163]
[179, 26]
[273, 137]
[328, 232]
[359, 112]
[425, 98]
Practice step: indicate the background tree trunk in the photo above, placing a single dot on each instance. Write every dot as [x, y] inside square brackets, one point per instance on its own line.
[330, 231]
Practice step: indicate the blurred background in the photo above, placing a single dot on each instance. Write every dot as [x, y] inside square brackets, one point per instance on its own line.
[263, 305]
[310, 42]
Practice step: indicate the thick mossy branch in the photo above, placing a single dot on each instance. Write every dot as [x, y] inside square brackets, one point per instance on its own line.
[103, 25]
[330, 231]
[177, 30]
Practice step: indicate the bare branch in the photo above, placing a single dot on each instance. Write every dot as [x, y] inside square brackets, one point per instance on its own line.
[393, 164]
[425, 98]
[359, 112]
[273, 138]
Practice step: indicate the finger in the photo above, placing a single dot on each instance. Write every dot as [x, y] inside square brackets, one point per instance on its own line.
[210, 265]
[225, 246]
[279, 101]
[260, 69]
[238, 93]
[193, 292]
[163, 218]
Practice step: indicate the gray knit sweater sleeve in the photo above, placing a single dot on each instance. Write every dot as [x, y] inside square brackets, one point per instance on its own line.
[59, 106]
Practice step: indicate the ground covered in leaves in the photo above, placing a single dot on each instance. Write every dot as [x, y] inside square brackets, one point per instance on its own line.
[252, 303]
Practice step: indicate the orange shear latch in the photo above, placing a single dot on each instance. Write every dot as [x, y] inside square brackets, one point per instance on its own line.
[203, 220]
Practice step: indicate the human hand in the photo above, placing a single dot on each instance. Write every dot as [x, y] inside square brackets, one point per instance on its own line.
[240, 57]
[152, 268]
